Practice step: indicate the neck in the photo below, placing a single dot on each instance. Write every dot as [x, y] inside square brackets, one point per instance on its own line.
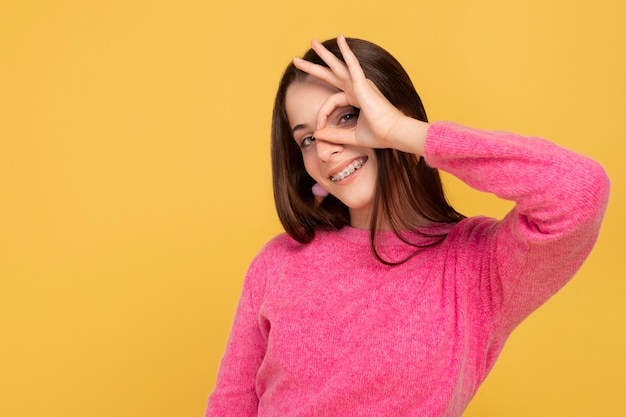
[360, 218]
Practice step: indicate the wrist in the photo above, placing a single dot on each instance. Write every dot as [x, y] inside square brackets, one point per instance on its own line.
[411, 135]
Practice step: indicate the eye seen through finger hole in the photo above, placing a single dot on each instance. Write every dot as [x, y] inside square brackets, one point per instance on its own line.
[345, 117]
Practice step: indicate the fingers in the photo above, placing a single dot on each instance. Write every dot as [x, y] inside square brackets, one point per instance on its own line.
[318, 71]
[333, 102]
[339, 72]
[352, 62]
[332, 75]
[336, 135]
[335, 64]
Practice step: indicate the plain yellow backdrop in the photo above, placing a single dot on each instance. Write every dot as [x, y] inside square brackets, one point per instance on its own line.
[135, 184]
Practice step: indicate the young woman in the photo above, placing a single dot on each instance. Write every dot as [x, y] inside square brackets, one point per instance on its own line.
[381, 299]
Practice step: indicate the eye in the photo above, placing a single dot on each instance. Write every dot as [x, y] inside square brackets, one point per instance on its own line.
[306, 141]
[349, 117]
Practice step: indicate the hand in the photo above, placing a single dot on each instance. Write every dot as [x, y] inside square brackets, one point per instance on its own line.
[380, 124]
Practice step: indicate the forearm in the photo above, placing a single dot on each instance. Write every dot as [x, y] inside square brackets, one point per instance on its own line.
[409, 135]
[558, 189]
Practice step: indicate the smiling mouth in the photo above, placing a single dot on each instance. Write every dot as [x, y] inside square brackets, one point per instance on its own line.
[347, 171]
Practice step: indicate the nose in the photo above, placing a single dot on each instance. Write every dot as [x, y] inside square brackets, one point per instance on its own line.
[326, 150]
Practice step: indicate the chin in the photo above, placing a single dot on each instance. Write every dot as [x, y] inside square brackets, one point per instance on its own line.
[362, 205]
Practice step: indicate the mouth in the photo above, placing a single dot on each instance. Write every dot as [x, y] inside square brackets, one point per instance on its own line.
[349, 170]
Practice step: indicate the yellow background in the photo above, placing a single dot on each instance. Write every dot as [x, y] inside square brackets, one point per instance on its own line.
[135, 184]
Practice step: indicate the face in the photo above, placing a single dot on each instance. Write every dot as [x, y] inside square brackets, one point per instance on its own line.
[348, 172]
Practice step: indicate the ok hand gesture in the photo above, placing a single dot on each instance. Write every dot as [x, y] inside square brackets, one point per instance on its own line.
[380, 124]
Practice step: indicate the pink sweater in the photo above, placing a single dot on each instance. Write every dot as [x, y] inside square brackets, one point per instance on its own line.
[323, 329]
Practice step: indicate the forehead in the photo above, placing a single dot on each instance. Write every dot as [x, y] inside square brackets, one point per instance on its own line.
[304, 99]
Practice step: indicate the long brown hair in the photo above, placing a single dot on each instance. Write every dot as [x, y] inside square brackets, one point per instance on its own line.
[407, 189]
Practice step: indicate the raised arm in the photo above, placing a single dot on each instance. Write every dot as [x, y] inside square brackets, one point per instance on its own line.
[560, 196]
[560, 199]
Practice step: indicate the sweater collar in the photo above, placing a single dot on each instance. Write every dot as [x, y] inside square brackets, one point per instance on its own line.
[421, 237]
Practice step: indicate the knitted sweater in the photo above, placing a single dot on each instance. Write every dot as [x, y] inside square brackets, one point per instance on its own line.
[323, 329]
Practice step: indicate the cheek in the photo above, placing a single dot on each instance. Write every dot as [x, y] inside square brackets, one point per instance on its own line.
[375, 166]
[311, 167]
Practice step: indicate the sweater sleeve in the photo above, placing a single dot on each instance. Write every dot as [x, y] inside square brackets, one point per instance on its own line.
[235, 390]
[560, 199]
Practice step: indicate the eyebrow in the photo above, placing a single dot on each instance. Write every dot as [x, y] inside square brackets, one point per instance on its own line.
[298, 127]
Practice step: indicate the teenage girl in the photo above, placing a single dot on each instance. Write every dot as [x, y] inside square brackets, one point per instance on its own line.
[381, 299]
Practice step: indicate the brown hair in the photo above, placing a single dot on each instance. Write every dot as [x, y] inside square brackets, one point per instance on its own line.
[407, 188]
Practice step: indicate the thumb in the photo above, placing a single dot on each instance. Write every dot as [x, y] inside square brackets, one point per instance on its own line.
[336, 135]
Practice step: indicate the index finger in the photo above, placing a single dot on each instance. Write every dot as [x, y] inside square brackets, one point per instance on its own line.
[332, 103]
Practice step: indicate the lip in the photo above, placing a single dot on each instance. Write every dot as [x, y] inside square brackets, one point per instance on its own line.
[342, 167]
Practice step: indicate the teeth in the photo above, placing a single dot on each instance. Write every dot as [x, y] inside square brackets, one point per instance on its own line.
[348, 170]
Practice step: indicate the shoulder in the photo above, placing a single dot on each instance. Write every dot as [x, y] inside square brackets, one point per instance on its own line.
[269, 260]
[280, 244]
[277, 251]
[473, 229]
[328, 247]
